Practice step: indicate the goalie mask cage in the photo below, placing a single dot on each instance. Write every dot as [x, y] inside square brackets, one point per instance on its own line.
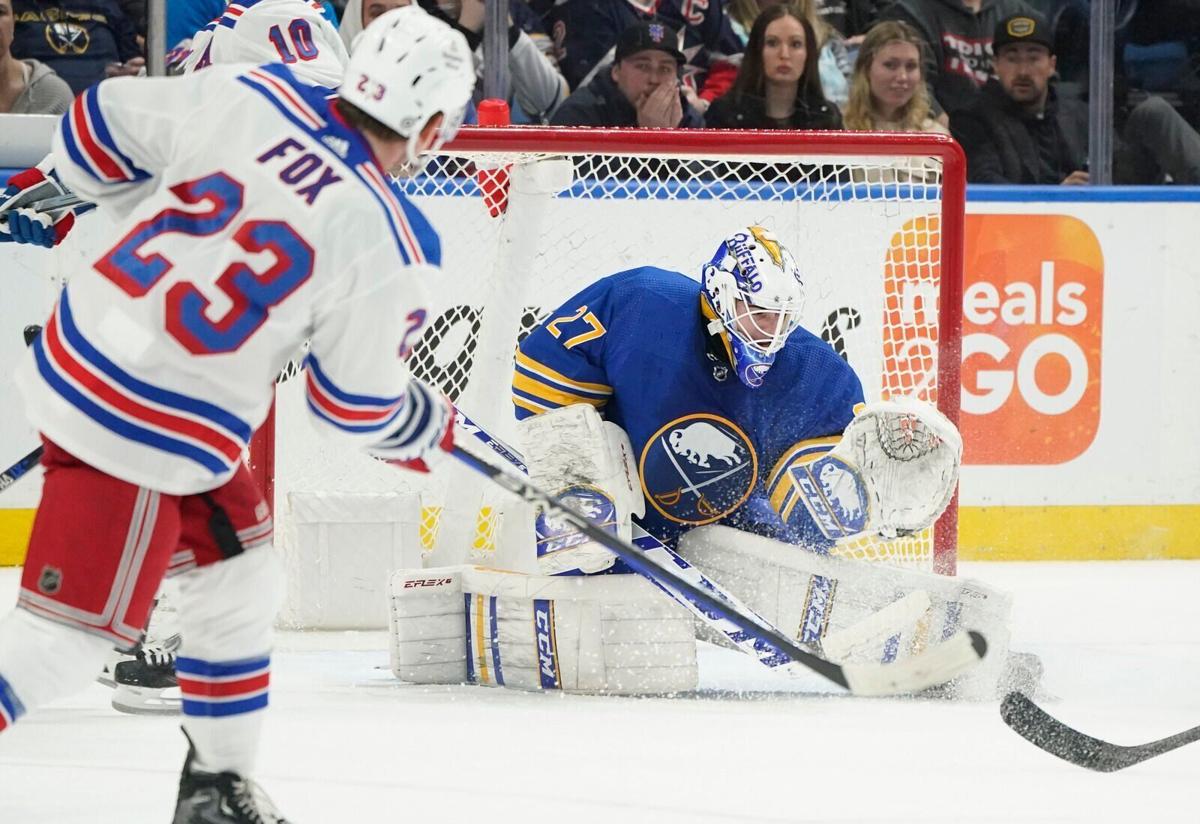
[529, 216]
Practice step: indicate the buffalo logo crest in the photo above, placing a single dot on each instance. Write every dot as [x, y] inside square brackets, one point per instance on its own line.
[698, 468]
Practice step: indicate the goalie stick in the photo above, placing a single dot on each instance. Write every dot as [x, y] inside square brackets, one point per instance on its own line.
[747, 630]
[1046, 732]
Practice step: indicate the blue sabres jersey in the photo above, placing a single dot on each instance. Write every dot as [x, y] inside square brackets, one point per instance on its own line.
[634, 346]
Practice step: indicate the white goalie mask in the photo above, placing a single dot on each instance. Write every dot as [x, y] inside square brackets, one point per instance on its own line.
[406, 67]
[753, 295]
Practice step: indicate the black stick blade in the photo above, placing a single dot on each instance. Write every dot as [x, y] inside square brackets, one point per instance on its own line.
[1042, 730]
[30, 333]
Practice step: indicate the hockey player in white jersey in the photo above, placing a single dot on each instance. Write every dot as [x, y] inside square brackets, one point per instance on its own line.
[292, 32]
[253, 214]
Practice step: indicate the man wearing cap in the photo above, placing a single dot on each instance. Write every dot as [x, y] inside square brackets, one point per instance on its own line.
[958, 33]
[1022, 131]
[640, 89]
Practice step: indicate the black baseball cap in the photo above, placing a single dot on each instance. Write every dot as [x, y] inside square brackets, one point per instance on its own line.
[646, 36]
[1022, 28]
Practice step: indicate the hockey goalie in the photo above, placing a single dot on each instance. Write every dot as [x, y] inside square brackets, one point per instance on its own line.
[701, 415]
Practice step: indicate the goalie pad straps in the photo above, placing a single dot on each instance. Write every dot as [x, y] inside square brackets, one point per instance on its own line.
[572, 452]
[612, 634]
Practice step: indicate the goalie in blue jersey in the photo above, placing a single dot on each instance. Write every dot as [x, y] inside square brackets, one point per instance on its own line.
[729, 411]
[705, 411]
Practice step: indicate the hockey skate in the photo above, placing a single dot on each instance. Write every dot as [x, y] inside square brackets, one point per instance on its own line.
[221, 798]
[144, 681]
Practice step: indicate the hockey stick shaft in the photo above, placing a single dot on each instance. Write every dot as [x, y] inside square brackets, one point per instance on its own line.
[1046, 732]
[517, 484]
[647, 543]
[57, 203]
[15, 472]
[934, 666]
[18, 470]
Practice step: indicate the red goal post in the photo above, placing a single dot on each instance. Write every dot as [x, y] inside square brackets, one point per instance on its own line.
[529, 215]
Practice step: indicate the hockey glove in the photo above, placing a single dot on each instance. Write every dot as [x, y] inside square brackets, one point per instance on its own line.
[425, 430]
[20, 222]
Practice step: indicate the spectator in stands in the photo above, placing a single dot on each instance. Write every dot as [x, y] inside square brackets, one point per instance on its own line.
[538, 87]
[852, 18]
[587, 32]
[834, 59]
[887, 91]
[79, 39]
[1022, 131]
[641, 88]
[27, 86]
[958, 37]
[778, 85]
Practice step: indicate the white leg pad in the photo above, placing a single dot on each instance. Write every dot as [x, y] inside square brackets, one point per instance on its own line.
[869, 612]
[612, 634]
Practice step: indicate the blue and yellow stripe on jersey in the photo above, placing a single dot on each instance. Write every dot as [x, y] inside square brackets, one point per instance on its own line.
[781, 484]
[538, 388]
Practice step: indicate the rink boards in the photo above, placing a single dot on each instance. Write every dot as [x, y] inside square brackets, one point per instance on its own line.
[1079, 328]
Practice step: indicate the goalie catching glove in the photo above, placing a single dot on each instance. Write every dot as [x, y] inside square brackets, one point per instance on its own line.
[893, 472]
[20, 222]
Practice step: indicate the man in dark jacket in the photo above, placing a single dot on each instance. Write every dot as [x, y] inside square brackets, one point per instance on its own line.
[1019, 131]
[640, 89]
[1022, 131]
[958, 33]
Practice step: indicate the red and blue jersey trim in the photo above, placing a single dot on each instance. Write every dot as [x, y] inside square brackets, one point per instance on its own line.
[415, 238]
[231, 14]
[131, 408]
[285, 98]
[90, 144]
[346, 411]
[217, 689]
[11, 707]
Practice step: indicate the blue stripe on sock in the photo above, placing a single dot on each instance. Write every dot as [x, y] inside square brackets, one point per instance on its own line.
[225, 708]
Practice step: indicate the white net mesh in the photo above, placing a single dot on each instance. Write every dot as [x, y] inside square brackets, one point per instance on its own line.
[522, 232]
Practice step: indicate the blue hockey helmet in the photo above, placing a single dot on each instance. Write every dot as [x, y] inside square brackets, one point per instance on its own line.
[752, 295]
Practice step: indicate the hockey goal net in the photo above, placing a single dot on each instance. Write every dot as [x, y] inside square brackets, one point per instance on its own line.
[529, 216]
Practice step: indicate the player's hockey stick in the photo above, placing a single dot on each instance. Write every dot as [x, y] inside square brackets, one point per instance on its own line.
[880, 625]
[15, 472]
[938, 665]
[70, 200]
[1042, 730]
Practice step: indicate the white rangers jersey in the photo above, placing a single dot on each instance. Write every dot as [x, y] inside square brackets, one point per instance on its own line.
[250, 218]
[292, 32]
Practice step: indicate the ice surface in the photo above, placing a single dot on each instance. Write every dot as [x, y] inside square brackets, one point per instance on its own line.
[347, 743]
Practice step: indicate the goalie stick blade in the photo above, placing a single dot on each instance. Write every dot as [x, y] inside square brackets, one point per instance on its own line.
[896, 617]
[937, 665]
[1046, 732]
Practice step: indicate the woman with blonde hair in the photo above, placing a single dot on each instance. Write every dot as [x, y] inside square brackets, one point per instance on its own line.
[887, 89]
